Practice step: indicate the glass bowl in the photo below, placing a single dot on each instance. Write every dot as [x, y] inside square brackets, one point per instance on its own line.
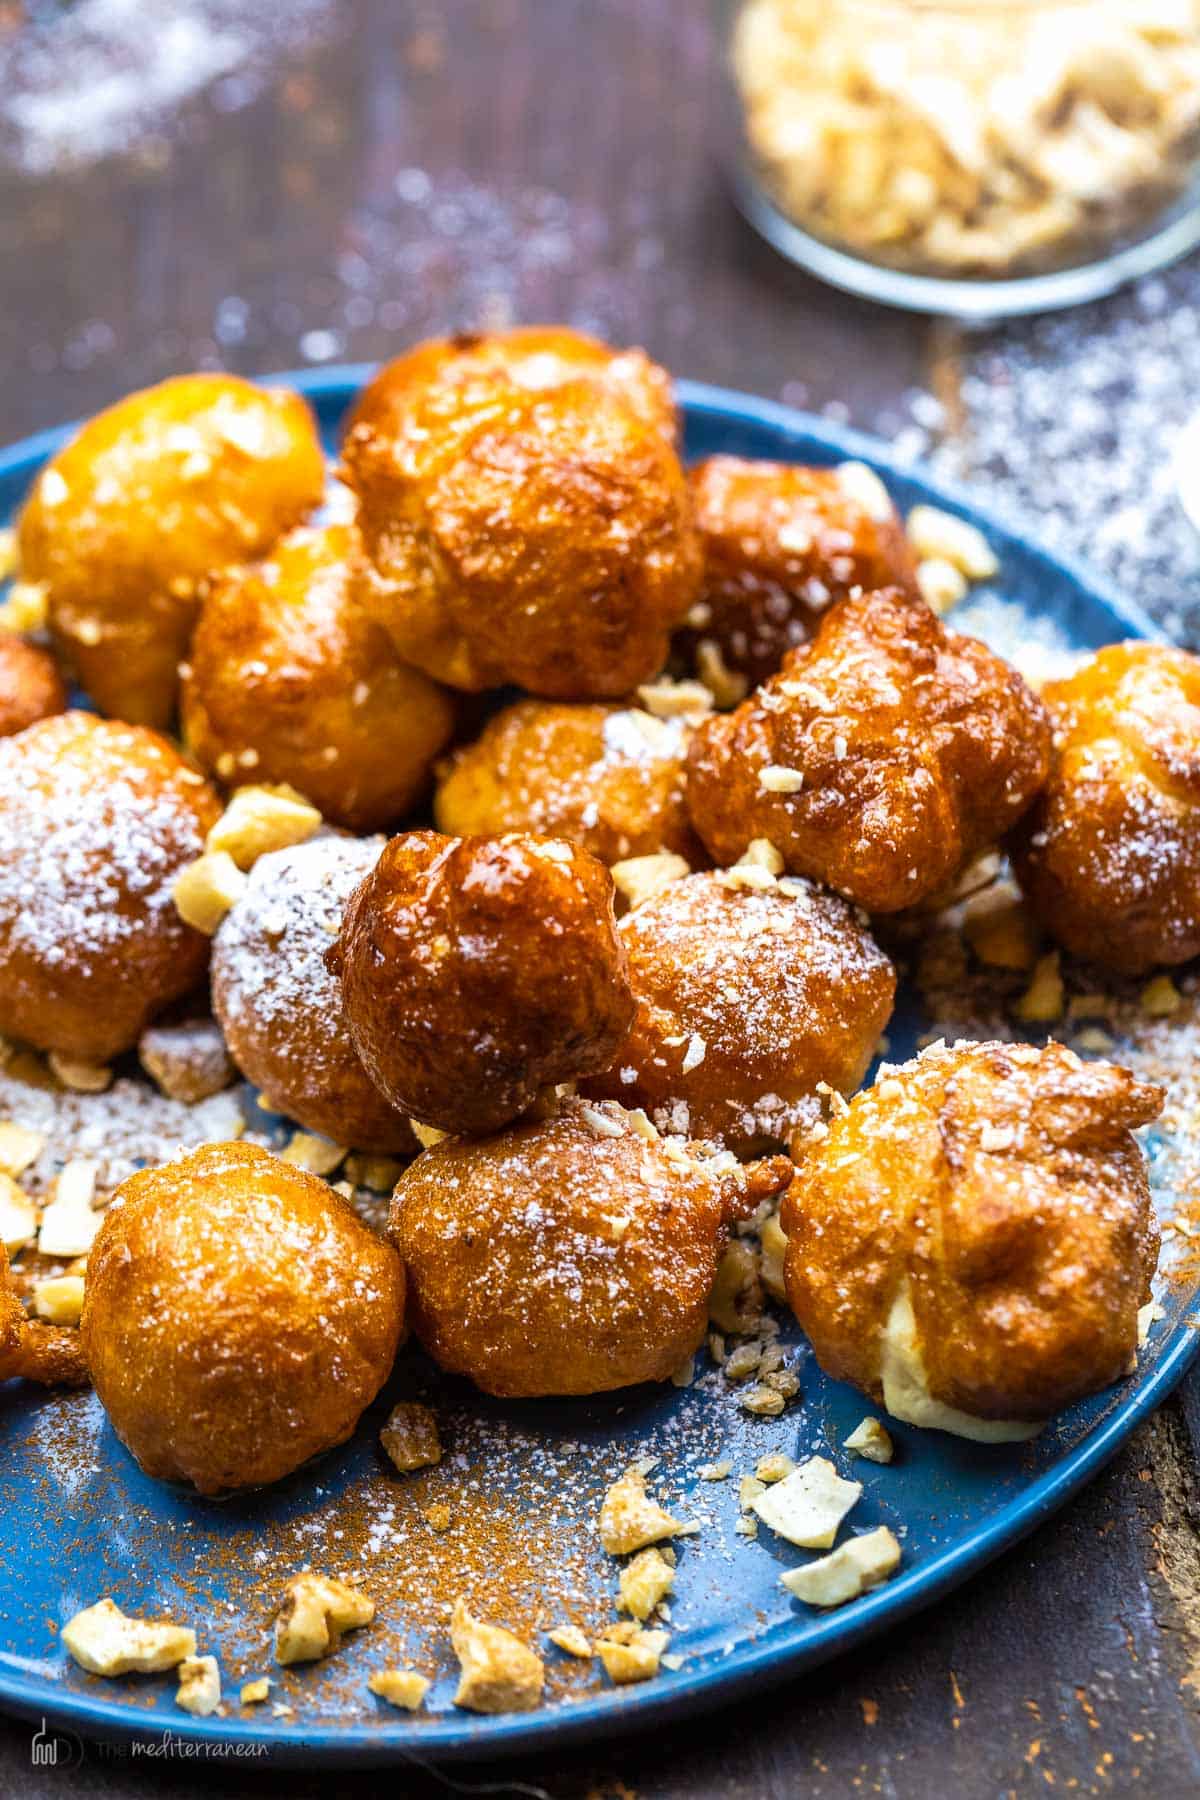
[981, 158]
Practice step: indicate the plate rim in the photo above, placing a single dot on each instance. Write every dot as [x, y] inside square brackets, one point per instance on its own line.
[463, 1737]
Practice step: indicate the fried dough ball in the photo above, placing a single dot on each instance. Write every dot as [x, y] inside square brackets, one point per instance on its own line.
[96, 821]
[524, 528]
[610, 778]
[971, 1241]
[238, 1317]
[281, 1009]
[881, 759]
[781, 542]
[570, 1256]
[31, 687]
[1109, 857]
[31, 1350]
[747, 998]
[477, 971]
[154, 496]
[288, 675]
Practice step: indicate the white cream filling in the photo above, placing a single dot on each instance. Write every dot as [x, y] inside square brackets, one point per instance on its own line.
[906, 1392]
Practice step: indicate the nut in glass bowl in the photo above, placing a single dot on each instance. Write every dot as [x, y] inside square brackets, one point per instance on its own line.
[983, 157]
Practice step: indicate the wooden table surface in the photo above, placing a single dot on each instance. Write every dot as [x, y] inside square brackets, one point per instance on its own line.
[418, 166]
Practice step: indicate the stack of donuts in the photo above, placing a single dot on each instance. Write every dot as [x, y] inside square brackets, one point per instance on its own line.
[626, 774]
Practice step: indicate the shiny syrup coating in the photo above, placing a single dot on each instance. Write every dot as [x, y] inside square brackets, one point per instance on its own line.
[746, 1000]
[781, 543]
[31, 687]
[570, 1256]
[281, 1009]
[526, 514]
[289, 680]
[913, 749]
[477, 971]
[610, 778]
[238, 1317]
[1109, 857]
[128, 522]
[1003, 1182]
[97, 819]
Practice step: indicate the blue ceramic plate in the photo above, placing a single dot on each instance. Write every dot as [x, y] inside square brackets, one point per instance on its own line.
[78, 1520]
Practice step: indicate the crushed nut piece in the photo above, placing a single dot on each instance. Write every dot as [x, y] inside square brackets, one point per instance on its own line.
[630, 1519]
[400, 1687]
[80, 1077]
[809, 1504]
[571, 1639]
[716, 1471]
[59, 1299]
[775, 779]
[735, 1304]
[1043, 1000]
[934, 533]
[872, 1440]
[645, 1581]
[667, 699]
[859, 482]
[316, 1610]
[438, 1517]
[187, 1061]
[500, 1674]
[199, 1689]
[1148, 1315]
[859, 1565]
[743, 1362]
[206, 890]
[254, 1692]
[18, 1216]
[318, 1155]
[427, 1135]
[19, 1148]
[105, 1641]
[727, 686]
[378, 1174]
[746, 1527]
[410, 1437]
[942, 585]
[70, 1222]
[749, 1488]
[26, 608]
[1001, 930]
[775, 1466]
[1159, 999]
[259, 820]
[639, 878]
[763, 1401]
[631, 1658]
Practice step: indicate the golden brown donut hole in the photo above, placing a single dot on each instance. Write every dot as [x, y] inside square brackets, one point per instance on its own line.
[238, 1317]
[538, 534]
[150, 499]
[610, 778]
[477, 971]
[96, 821]
[570, 1256]
[998, 1189]
[746, 1000]
[279, 1006]
[31, 687]
[1109, 856]
[290, 678]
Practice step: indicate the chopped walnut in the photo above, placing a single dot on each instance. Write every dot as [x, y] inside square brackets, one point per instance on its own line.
[934, 533]
[1148, 1316]
[1045, 997]
[19, 1147]
[727, 686]
[318, 1155]
[427, 1135]
[199, 1689]
[1000, 929]
[629, 1658]
[1159, 999]
[572, 1640]
[379, 1174]
[775, 1466]
[716, 1471]
[630, 1519]
[316, 1610]
[749, 1488]
[400, 1687]
[206, 890]
[859, 1565]
[775, 779]
[942, 585]
[859, 482]
[639, 878]
[500, 1674]
[187, 1060]
[255, 1692]
[735, 1304]
[667, 699]
[59, 1299]
[410, 1437]
[764, 1401]
[18, 1216]
[871, 1439]
[105, 1641]
[438, 1517]
[80, 1077]
[261, 819]
[773, 1243]
[645, 1581]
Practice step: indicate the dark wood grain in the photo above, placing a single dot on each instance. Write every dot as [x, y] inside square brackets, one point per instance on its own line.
[429, 166]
